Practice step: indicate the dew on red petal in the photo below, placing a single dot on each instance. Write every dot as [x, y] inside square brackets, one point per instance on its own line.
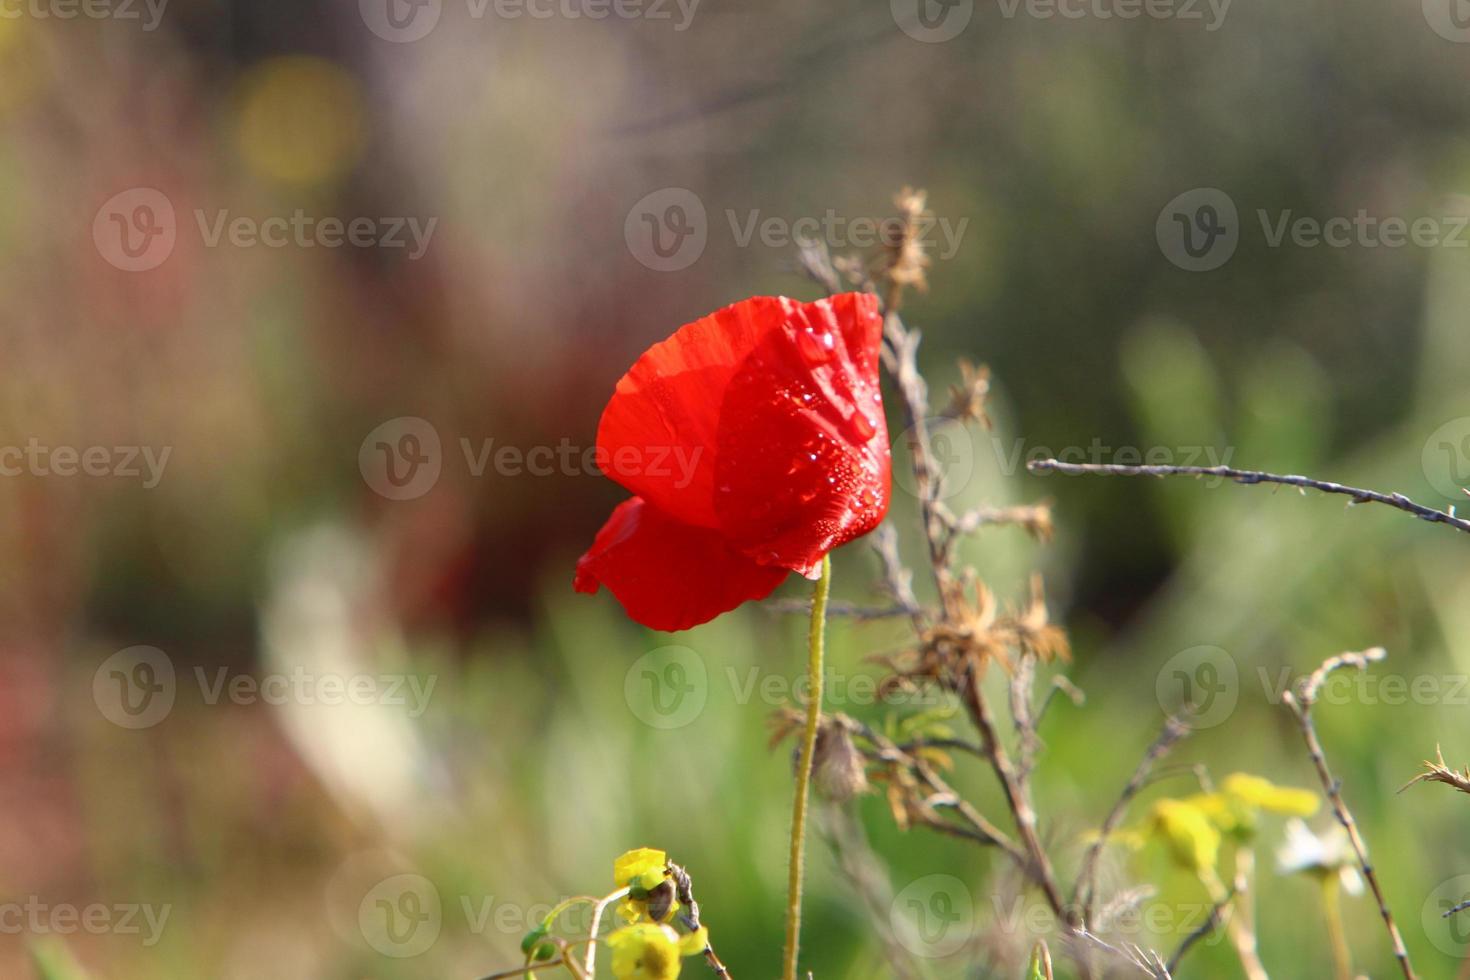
[801, 457]
[862, 426]
[815, 348]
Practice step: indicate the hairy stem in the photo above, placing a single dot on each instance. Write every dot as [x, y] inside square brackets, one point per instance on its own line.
[816, 645]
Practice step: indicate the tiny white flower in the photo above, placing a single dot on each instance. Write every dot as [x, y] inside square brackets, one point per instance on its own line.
[1305, 852]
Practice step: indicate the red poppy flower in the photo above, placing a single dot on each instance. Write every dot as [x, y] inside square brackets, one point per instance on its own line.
[755, 443]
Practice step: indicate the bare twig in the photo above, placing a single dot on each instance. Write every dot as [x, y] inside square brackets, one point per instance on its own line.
[958, 669]
[1034, 518]
[898, 581]
[1211, 923]
[1028, 746]
[689, 915]
[1458, 908]
[1198, 770]
[1358, 495]
[1149, 963]
[1039, 864]
[979, 830]
[1062, 685]
[1438, 772]
[958, 744]
[900, 357]
[869, 881]
[1301, 705]
[1083, 892]
[521, 971]
[590, 965]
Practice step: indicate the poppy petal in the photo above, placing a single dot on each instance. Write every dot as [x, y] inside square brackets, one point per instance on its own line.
[667, 574]
[659, 433]
[802, 462]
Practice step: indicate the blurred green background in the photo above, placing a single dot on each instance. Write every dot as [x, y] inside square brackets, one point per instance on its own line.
[276, 831]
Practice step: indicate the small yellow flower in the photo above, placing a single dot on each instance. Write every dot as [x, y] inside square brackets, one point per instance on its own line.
[1235, 807]
[1264, 795]
[1185, 828]
[650, 889]
[640, 869]
[694, 943]
[645, 952]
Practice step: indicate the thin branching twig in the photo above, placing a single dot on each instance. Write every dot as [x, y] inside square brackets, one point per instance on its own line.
[1148, 962]
[1084, 892]
[1211, 923]
[1439, 772]
[1301, 705]
[1358, 495]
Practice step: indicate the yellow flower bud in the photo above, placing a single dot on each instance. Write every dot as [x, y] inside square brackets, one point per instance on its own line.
[642, 869]
[1193, 841]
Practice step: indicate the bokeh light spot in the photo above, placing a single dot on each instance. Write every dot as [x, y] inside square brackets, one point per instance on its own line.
[300, 120]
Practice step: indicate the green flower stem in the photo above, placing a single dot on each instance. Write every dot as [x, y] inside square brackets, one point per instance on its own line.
[816, 644]
[1341, 957]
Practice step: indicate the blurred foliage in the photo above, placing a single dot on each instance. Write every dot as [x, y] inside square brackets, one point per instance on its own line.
[263, 827]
